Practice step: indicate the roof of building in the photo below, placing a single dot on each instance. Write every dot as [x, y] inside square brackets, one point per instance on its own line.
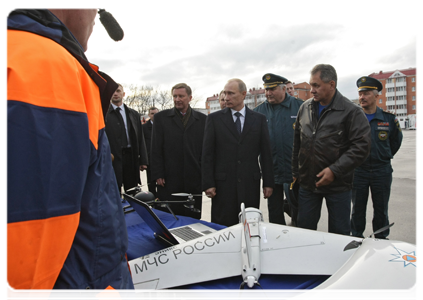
[302, 85]
[255, 91]
[212, 98]
[385, 75]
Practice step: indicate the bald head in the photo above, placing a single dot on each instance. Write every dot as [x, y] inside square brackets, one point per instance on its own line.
[79, 21]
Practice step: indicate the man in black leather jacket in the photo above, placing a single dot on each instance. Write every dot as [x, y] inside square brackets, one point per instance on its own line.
[332, 138]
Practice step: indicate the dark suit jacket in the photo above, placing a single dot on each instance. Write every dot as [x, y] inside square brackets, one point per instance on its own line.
[136, 136]
[147, 128]
[176, 155]
[230, 163]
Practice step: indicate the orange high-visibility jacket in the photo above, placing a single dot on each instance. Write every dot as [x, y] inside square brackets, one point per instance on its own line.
[66, 227]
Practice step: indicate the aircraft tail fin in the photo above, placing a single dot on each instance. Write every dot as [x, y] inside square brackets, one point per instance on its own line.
[246, 234]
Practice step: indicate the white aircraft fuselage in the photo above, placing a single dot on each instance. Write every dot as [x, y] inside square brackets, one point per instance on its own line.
[253, 247]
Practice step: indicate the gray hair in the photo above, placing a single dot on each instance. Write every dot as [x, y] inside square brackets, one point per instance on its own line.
[327, 73]
[182, 86]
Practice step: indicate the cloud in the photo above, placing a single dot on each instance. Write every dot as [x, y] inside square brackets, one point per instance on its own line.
[291, 52]
[402, 58]
[107, 65]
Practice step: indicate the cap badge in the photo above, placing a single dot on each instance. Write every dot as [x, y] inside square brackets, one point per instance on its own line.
[267, 77]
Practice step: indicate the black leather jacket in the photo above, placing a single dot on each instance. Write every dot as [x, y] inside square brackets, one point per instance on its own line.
[340, 139]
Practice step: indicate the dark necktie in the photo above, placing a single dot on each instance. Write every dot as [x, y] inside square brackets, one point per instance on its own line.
[123, 130]
[238, 122]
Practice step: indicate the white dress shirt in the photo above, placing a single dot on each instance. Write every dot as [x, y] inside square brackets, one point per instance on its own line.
[241, 117]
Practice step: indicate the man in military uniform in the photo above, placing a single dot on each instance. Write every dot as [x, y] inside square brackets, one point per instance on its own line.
[376, 171]
[280, 110]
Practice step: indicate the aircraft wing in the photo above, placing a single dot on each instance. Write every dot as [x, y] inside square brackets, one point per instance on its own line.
[283, 250]
[377, 264]
[292, 250]
[214, 256]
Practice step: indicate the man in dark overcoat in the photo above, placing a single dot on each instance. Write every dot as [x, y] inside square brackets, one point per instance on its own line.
[147, 129]
[176, 149]
[280, 110]
[234, 139]
[126, 138]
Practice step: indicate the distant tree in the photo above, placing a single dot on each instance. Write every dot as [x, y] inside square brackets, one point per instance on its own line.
[164, 99]
[139, 98]
[142, 97]
[194, 100]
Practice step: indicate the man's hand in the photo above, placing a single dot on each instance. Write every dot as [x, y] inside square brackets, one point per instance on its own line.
[160, 181]
[211, 192]
[267, 192]
[143, 167]
[327, 177]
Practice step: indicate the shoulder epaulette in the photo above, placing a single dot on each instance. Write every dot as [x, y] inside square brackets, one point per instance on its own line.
[388, 112]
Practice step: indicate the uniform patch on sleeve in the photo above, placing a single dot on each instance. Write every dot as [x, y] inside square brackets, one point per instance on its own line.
[398, 124]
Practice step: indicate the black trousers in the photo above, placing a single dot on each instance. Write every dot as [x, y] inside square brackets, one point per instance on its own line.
[151, 183]
[129, 175]
[379, 184]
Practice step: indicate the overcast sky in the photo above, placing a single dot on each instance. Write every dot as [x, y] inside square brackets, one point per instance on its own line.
[205, 43]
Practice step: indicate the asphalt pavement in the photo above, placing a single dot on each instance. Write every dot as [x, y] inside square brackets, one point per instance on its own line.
[402, 204]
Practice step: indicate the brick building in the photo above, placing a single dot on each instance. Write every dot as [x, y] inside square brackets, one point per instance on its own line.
[302, 90]
[399, 94]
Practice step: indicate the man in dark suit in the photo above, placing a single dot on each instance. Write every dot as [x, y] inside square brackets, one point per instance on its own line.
[176, 148]
[126, 138]
[234, 138]
[147, 128]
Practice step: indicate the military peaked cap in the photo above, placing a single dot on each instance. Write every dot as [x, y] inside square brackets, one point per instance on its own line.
[272, 80]
[367, 83]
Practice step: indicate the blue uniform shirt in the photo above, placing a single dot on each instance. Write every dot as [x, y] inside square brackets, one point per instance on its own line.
[386, 140]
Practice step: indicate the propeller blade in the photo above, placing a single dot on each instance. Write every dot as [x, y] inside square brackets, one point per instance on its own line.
[382, 229]
[132, 189]
[352, 245]
[185, 194]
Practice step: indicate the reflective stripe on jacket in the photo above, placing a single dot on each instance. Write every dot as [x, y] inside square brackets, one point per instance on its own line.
[66, 227]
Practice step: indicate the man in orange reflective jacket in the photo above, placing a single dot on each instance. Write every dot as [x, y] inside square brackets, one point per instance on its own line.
[66, 227]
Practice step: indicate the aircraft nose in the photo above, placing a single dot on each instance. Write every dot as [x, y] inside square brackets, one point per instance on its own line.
[250, 281]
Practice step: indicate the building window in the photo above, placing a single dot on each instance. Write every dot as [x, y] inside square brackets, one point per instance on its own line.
[414, 107]
[380, 100]
[414, 98]
[413, 79]
[413, 89]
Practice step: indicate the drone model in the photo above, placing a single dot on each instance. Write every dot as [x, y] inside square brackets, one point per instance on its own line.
[254, 247]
